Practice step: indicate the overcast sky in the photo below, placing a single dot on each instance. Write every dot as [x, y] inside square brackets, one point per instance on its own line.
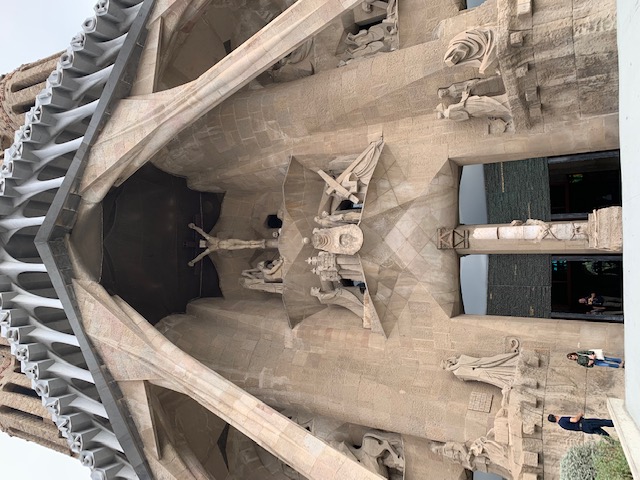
[34, 29]
[474, 269]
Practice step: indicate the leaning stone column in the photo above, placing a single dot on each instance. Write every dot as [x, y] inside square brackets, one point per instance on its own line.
[133, 350]
[602, 232]
[141, 126]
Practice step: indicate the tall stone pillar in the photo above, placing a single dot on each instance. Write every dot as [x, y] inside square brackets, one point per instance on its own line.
[18, 90]
[135, 351]
[121, 150]
[21, 412]
[602, 232]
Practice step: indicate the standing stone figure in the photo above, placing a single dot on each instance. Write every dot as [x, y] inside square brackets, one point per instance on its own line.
[482, 87]
[269, 270]
[475, 47]
[338, 218]
[339, 296]
[498, 370]
[364, 37]
[457, 452]
[475, 106]
[272, 269]
[483, 454]
[380, 452]
[260, 284]
[213, 244]
[267, 277]
[298, 64]
[352, 181]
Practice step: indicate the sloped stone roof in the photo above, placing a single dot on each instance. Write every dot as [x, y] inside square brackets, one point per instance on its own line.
[38, 316]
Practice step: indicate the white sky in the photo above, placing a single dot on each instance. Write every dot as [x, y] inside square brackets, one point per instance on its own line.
[34, 29]
[474, 269]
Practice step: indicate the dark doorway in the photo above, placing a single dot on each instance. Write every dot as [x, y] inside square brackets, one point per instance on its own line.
[581, 183]
[147, 243]
[576, 276]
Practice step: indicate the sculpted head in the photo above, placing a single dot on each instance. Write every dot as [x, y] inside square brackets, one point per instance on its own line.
[455, 55]
[449, 363]
[347, 240]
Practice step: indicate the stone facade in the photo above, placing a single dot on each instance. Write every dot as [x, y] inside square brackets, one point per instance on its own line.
[18, 90]
[21, 412]
[350, 123]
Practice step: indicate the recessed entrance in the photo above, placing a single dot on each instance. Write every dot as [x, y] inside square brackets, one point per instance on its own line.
[147, 243]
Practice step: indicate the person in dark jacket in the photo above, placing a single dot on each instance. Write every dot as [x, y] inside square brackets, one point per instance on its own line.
[600, 303]
[580, 424]
[587, 358]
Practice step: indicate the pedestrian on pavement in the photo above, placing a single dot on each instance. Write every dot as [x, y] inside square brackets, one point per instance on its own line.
[580, 424]
[589, 358]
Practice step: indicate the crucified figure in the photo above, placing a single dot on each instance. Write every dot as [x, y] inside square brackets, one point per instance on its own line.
[213, 244]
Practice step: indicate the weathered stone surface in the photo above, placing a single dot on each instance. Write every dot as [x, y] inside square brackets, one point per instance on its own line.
[228, 128]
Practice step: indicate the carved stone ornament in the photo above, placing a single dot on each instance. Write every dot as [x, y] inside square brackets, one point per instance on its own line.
[380, 452]
[355, 177]
[333, 268]
[341, 297]
[338, 218]
[260, 284]
[488, 87]
[475, 106]
[346, 239]
[364, 37]
[475, 47]
[450, 238]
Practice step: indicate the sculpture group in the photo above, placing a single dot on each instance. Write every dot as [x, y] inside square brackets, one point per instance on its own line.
[379, 451]
[380, 37]
[478, 97]
[509, 448]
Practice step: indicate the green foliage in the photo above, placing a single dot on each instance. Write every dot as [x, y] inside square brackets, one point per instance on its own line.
[578, 463]
[610, 462]
[602, 460]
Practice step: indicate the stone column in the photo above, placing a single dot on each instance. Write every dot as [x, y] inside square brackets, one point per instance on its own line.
[22, 415]
[134, 350]
[157, 118]
[602, 232]
[18, 90]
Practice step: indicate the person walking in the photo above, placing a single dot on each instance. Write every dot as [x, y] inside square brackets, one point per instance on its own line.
[580, 424]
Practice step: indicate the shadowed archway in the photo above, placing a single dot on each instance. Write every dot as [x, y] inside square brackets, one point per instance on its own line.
[147, 243]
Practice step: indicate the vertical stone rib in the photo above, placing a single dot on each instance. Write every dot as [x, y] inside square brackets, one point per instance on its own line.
[115, 326]
[160, 116]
